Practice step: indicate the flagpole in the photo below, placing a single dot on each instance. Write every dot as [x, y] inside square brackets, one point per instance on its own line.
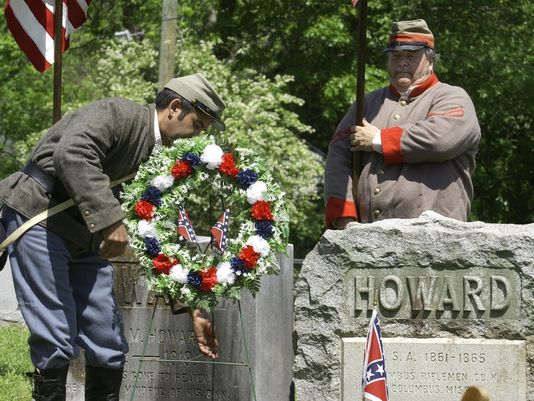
[360, 93]
[58, 47]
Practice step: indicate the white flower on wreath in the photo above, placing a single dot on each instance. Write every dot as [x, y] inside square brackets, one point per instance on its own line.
[259, 244]
[185, 291]
[225, 273]
[162, 182]
[212, 156]
[178, 274]
[261, 269]
[255, 192]
[146, 229]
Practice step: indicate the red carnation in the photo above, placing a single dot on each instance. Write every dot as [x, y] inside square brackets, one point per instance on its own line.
[181, 169]
[261, 210]
[228, 166]
[249, 256]
[144, 210]
[209, 279]
[162, 263]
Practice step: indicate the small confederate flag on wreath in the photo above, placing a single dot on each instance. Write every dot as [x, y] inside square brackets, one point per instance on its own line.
[220, 231]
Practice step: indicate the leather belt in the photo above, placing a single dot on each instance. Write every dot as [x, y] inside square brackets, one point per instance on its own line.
[40, 175]
[51, 184]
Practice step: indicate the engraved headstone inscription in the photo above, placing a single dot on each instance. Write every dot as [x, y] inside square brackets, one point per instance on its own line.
[454, 301]
[441, 368]
[164, 363]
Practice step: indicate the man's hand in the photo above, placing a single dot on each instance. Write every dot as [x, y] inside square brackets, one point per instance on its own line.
[115, 240]
[205, 333]
[361, 138]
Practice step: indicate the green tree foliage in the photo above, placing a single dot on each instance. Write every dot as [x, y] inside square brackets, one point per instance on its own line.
[486, 47]
[289, 65]
[258, 113]
[258, 116]
[94, 67]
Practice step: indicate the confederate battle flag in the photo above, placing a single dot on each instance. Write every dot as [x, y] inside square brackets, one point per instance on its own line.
[185, 228]
[374, 381]
[220, 231]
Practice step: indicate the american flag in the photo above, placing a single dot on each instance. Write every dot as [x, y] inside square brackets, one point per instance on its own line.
[32, 24]
[220, 231]
[185, 228]
[374, 380]
[354, 3]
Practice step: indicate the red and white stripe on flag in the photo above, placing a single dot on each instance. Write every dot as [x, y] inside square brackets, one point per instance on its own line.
[374, 380]
[354, 3]
[32, 24]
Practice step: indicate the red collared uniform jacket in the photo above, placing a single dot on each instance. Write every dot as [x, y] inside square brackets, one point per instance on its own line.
[429, 143]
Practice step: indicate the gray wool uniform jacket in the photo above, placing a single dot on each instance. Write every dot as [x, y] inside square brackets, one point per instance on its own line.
[429, 142]
[86, 150]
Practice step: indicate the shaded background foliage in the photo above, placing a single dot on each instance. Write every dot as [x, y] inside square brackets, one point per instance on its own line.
[287, 69]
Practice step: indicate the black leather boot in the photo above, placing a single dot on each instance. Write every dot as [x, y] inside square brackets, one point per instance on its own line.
[102, 384]
[49, 384]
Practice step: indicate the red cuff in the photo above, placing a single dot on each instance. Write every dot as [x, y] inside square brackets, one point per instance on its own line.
[391, 146]
[336, 208]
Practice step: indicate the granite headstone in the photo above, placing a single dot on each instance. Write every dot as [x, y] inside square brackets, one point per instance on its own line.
[164, 362]
[455, 302]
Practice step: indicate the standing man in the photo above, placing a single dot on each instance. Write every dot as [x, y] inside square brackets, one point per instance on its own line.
[418, 142]
[63, 278]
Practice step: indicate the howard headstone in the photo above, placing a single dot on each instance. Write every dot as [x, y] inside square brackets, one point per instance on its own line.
[455, 302]
[164, 363]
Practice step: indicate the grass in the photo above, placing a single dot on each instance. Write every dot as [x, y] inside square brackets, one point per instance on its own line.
[14, 364]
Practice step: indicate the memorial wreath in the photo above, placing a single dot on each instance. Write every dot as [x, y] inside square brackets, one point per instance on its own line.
[244, 241]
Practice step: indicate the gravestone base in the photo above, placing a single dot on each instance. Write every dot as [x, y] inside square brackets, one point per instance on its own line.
[439, 369]
[455, 302]
[164, 363]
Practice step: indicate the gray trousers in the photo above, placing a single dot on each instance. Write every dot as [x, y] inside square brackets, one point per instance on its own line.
[66, 299]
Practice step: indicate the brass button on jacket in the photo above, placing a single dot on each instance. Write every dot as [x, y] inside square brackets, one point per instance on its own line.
[376, 191]
[396, 116]
[376, 213]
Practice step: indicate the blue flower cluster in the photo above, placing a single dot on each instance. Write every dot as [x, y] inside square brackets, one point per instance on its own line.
[152, 246]
[246, 178]
[238, 266]
[194, 279]
[264, 229]
[192, 159]
[152, 195]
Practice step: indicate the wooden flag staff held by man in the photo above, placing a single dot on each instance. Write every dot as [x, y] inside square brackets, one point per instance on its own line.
[63, 279]
[418, 142]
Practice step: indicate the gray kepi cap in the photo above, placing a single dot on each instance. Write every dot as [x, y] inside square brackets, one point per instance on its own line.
[200, 93]
[410, 35]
